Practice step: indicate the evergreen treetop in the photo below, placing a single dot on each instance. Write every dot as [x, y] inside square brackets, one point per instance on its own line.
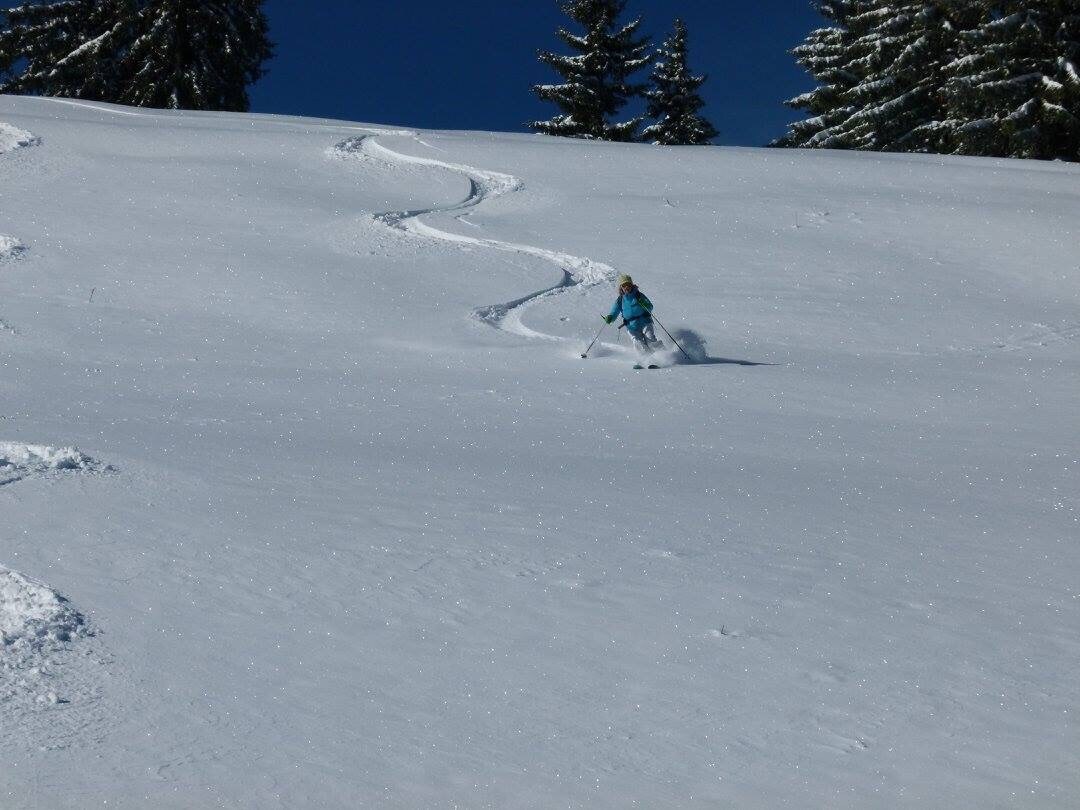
[674, 100]
[597, 77]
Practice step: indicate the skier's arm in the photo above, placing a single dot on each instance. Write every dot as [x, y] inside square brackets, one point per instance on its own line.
[615, 310]
[646, 304]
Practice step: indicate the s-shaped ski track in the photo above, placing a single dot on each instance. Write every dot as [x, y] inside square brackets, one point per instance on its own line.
[484, 185]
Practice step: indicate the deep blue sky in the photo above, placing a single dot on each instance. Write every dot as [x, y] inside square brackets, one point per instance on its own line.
[469, 65]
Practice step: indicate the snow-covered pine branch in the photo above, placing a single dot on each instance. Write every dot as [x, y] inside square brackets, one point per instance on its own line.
[882, 69]
[179, 54]
[196, 54]
[826, 55]
[975, 77]
[69, 48]
[1015, 86]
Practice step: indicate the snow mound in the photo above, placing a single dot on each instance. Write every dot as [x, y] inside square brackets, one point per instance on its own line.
[33, 616]
[17, 461]
[12, 138]
[37, 629]
[10, 247]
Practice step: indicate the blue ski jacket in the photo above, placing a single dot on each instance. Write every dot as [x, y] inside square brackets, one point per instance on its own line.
[635, 309]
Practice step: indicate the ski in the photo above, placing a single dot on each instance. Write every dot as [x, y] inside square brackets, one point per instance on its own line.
[640, 367]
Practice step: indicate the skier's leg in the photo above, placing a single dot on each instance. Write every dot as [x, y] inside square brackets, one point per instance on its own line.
[649, 334]
[640, 342]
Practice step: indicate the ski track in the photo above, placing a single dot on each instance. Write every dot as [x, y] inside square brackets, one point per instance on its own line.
[35, 621]
[12, 138]
[1046, 336]
[48, 691]
[10, 248]
[484, 185]
[37, 625]
[578, 271]
[51, 669]
[19, 461]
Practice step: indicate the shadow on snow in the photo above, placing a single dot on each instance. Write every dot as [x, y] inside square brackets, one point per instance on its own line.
[695, 348]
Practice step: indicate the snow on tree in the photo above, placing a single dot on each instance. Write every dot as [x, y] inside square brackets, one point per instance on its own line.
[67, 48]
[673, 100]
[180, 54]
[883, 71]
[196, 54]
[597, 78]
[978, 77]
[827, 55]
[908, 45]
[1015, 90]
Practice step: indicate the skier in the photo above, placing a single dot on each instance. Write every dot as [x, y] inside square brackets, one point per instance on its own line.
[636, 310]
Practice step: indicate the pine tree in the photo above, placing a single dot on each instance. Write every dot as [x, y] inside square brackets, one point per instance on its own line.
[196, 54]
[828, 55]
[1064, 89]
[976, 77]
[597, 80]
[1015, 91]
[899, 104]
[180, 54]
[673, 100]
[67, 48]
[883, 71]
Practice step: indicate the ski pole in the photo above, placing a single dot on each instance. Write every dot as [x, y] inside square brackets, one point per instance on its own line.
[673, 340]
[585, 353]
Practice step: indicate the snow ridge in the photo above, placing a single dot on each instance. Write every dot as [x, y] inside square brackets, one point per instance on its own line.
[18, 461]
[12, 138]
[37, 625]
[484, 185]
[10, 247]
[32, 615]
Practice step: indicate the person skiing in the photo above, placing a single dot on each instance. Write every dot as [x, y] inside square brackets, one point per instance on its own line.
[636, 310]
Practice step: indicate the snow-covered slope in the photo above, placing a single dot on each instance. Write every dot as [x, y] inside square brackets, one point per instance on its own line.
[354, 525]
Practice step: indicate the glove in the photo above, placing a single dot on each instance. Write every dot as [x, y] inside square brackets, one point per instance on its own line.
[607, 318]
